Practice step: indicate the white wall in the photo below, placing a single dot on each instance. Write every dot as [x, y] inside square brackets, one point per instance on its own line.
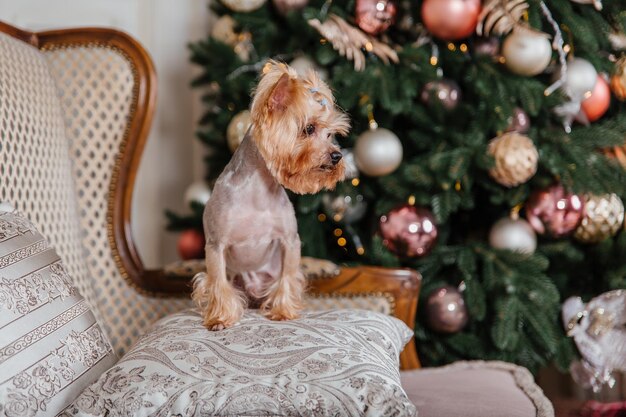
[172, 158]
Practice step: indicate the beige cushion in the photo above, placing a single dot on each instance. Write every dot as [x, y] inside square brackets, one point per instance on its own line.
[476, 389]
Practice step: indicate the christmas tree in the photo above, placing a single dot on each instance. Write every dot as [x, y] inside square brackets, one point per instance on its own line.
[485, 152]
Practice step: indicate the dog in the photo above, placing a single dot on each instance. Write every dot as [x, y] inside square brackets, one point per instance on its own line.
[252, 243]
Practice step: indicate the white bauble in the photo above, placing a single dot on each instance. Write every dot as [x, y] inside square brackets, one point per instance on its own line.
[224, 30]
[243, 6]
[516, 235]
[303, 63]
[378, 152]
[197, 192]
[237, 129]
[580, 78]
[527, 52]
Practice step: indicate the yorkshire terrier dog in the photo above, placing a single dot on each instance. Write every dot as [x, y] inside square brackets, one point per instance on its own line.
[252, 242]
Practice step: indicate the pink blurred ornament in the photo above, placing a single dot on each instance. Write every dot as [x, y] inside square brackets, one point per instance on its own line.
[375, 16]
[446, 310]
[450, 19]
[554, 211]
[487, 46]
[408, 231]
[519, 121]
[598, 101]
[286, 6]
[445, 91]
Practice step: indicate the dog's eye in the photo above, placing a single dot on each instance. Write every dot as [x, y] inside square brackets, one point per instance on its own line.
[309, 129]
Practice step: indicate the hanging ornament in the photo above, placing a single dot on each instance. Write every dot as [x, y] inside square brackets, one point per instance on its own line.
[487, 46]
[526, 51]
[618, 79]
[513, 234]
[604, 215]
[554, 211]
[198, 192]
[515, 159]
[224, 30]
[303, 64]
[349, 163]
[345, 208]
[599, 331]
[594, 106]
[499, 17]
[375, 16]
[450, 20]
[580, 79]
[408, 231]
[286, 6]
[243, 6]
[519, 121]
[378, 152]
[446, 311]
[446, 92]
[191, 244]
[237, 129]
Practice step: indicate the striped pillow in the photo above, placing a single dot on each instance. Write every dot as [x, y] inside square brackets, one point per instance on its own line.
[51, 347]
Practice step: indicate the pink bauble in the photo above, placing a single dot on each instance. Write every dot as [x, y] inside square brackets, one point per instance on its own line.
[598, 102]
[408, 231]
[375, 16]
[450, 19]
[519, 121]
[286, 6]
[446, 311]
[191, 244]
[554, 211]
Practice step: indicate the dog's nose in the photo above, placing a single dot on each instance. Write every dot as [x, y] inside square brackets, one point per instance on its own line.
[335, 157]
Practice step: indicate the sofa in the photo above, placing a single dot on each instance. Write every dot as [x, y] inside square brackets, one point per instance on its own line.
[75, 111]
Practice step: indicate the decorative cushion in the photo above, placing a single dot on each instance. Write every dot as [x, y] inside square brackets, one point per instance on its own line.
[333, 363]
[51, 347]
[476, 389]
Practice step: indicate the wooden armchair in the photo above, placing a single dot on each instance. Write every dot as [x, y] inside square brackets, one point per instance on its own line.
[107, 89]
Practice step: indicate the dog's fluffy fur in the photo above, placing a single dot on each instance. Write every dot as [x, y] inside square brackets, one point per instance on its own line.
[252, 242]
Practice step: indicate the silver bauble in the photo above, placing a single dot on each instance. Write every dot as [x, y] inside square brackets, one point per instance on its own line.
[378, 152]
[513, 234]
[527, 52]
[303, 64]
[198, 192]
[243, 6]
[350, 164]
[344, 208]
[580, 78]
[237, 129]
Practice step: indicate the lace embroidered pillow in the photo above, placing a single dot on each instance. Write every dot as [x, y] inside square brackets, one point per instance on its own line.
[50, 345]
[333, 363]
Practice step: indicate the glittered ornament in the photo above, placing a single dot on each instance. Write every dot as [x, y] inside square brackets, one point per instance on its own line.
[224, 30]
[237, 129]
[618, 79]
[518, 121]
[515, 159]
[286, 6]
[446, 311]
[191, 244]
[243, 6]
[580, 79]
[526, 52]
[451, 19]
[604, 216]
[375, 16]
[515, 235]
[446, 92]
[346, 208]
[408, 231]
[303, 64]
[198, 192]
[598, 102]
[554, 211]
[378, 152]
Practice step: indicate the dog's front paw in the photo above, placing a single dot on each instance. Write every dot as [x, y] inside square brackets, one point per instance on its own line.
[282, 314]
[217, 325]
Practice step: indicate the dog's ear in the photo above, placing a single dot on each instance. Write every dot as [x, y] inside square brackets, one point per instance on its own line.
[282, 93]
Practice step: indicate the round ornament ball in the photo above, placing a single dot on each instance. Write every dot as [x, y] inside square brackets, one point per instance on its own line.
[451, 20]
[378, 152]
[237, 128]
[580, 78]
[446, 92]
[527, 52]
[515, 235]
[487, 46]
[224, 30]
[344, 208]
[515, 159]
[446, 311]
[408, 231]
[604, 216]
[598, 102]
[243, 6]
[198, 192]
[286, 6]
[554, 211]
[375, 16]
[303, 64]
[191, 244]
[618, 79]
[518, 121]
[349, 162]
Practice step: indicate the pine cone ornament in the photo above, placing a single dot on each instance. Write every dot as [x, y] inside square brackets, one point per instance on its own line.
[618, 79]
[516, 159]
[604, 216]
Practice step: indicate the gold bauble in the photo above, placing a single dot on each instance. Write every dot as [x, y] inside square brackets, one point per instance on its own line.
[604, 216]
[237, 129]
[515, 159]
[243, 6]
[224, 30]
[618, 79]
